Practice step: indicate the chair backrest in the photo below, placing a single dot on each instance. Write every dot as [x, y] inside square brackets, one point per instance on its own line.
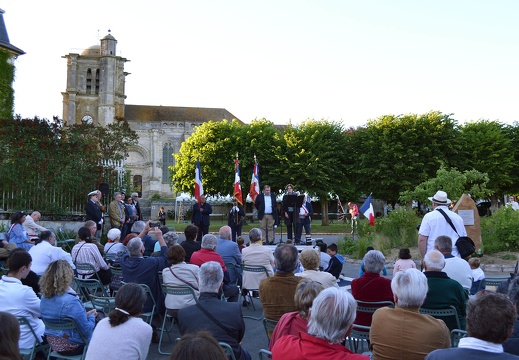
[116, 270]
[104, 304]
[150, 294]
[37, 346]
[179, 290]
[495, 281]
[456, 335]
[269, 326]
[65, 324]
[255, 269]
[358, 338]
[89, 287]
[371, 307]
[442, 313]
[87, 269]
[228, 350]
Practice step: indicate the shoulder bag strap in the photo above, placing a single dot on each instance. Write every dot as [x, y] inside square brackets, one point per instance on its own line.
[185, 282]
[75, 258]
[448, 220]
[215, 321]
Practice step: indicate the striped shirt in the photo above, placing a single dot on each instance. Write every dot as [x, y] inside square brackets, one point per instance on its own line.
[88, 253]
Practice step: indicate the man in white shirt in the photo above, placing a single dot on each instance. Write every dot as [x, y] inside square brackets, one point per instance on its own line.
[20, 300]
[434, 224]
[267, 213]
[455, 267]
[31, 227]
[46, 252]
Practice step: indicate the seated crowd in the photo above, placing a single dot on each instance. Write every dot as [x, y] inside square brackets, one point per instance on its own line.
[314, 315]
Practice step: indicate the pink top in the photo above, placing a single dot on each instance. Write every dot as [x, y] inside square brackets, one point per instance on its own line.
[403, 264]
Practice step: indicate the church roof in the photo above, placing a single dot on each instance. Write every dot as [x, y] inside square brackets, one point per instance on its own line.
[4, 38]
[175, 113]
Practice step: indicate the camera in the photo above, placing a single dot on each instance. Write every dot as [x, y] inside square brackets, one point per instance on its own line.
[155, 224]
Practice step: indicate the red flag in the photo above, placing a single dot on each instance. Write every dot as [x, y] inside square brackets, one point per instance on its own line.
[254, 183]
[199, 189]
[237, 185]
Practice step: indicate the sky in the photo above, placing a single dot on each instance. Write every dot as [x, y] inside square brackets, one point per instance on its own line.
[283, 60]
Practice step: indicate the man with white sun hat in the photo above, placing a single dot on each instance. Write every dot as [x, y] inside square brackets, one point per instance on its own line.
[434, 224]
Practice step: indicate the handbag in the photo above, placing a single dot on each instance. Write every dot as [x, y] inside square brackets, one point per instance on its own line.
[465, 245]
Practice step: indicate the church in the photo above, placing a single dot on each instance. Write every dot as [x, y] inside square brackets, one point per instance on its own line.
[95, 93]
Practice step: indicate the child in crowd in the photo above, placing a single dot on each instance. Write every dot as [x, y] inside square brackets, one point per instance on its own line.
[336, 261]
[325, 258]
[240, 241]
[477, 275]
[361, 270]
[404, 261]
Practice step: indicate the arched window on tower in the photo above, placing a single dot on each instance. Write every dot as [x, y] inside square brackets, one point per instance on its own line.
[167, 161]
[97, 81]
[89, 81]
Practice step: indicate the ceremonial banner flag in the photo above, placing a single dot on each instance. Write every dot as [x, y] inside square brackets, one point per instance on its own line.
[254, 183]
[199, 189]
[237, 186]
[367, 210]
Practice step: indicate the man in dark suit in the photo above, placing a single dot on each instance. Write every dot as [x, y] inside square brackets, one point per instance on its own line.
[222, 319]
[267, 213]
[200, 217]
[92, 210]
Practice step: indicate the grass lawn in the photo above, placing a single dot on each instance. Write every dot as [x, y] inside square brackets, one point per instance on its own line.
[317, 228]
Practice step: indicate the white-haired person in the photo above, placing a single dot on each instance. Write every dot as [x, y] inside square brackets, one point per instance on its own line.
[443, 291]
[113, 244]
[331, 320]
[223, 319]
[310, 260]
[390, 328]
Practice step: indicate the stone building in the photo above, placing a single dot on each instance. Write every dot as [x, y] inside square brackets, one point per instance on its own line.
[96, 92]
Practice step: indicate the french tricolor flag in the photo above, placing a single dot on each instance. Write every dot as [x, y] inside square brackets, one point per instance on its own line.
[367, 210]
[199, 189]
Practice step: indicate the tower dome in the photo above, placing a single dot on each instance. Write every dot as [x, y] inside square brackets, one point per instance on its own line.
[94, 50]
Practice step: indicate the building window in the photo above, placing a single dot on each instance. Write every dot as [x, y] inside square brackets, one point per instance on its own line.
[167, 161]
[97, 81]
[89, 81]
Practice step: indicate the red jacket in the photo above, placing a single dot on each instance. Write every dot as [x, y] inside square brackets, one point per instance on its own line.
[370, 287]
[289, 324]
[203, 255]
[309, 347]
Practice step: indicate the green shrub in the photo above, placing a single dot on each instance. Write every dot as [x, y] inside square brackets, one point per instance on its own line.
[499, 231]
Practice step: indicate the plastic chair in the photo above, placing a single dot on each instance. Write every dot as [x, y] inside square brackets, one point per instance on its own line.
[456, 335]
[442, 313]
[359, 339]
[91, 270]
[228, 350]
[37, 346]
[65, 324]
[175, 291]
[264, 354]
[269, 326]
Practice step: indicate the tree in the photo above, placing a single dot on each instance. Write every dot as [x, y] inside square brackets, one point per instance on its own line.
[313, 160]
[6, 82]
[454, 182]
[487, 148]
[396, 153]
[48, 167]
